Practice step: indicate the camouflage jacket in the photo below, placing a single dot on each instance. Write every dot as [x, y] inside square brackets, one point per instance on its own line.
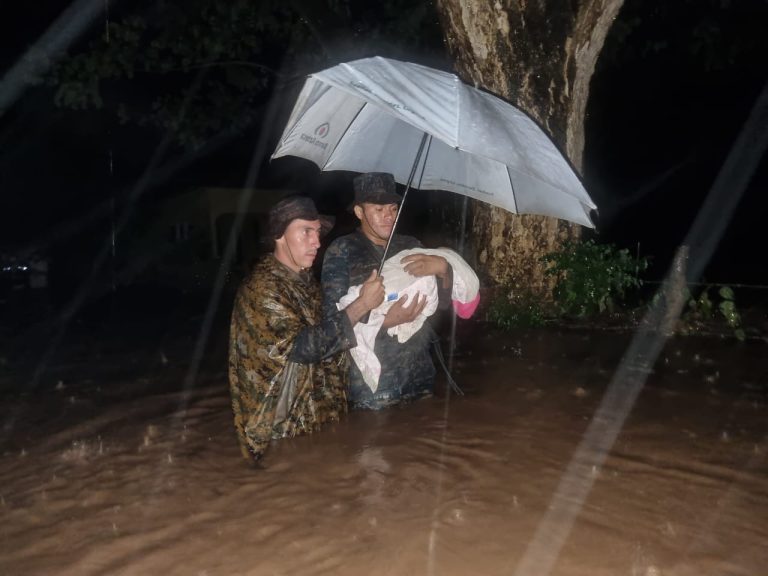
[407, 370]
[286, 365]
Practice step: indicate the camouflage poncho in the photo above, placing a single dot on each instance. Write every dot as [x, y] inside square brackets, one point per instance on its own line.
[286, 372]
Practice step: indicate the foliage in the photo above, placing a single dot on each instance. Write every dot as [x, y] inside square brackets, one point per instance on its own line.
[702, 308]
[515, 310]
[168, 68]
[592, 277]
[193, 68]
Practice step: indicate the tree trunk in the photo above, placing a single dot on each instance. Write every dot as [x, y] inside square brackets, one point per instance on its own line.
[540, 56]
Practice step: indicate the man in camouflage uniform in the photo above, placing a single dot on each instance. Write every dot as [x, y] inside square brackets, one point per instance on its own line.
[407, 370]
[286, 361]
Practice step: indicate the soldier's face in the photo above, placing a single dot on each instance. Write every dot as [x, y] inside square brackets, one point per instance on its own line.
[377, 221]
[297, 247]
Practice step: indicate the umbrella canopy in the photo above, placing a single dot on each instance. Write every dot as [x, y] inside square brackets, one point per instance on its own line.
[372, 115]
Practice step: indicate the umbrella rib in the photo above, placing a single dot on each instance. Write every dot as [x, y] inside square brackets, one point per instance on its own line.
[512, 187]
[347, 129]
[426, 157]
[457, 86]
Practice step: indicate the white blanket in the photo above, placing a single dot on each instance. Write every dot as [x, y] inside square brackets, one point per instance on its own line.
[397, 283]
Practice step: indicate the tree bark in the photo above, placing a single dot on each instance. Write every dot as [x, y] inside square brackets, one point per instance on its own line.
[540, 55]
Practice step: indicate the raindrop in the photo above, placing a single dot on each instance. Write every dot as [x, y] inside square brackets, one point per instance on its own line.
[106, 19]
[669, 529]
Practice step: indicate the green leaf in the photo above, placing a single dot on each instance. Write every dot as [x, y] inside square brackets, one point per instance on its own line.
[726, 292]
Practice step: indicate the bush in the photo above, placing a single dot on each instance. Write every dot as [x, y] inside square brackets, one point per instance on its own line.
[513, 310]
[592, 278]
[701, 308]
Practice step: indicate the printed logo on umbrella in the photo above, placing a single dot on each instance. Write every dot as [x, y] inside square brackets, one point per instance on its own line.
[322, 130]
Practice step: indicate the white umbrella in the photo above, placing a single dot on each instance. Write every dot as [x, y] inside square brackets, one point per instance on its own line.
[431, 131]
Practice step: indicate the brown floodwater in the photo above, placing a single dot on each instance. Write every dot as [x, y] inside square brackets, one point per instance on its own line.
[105, 474]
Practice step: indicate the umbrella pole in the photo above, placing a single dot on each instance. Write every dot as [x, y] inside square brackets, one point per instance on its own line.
[402, 202]
[462, 234]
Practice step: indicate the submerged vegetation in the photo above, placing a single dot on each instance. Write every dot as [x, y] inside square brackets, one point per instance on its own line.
[598, 282]
[513, 310]
[592, 280]
[702, 309]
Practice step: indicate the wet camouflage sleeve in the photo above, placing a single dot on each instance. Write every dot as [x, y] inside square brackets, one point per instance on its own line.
[332, 335]
[335, 276]
[280, 349]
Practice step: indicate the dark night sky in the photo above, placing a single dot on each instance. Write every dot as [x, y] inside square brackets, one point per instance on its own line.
[650, 115]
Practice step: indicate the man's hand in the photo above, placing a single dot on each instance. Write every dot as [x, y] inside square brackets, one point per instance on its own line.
[371, 295]
[425, 265]
[372, 291]
[429, 265]
[399, 313]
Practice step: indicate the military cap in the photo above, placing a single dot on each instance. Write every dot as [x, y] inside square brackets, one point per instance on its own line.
[375, 188]
[295, 208]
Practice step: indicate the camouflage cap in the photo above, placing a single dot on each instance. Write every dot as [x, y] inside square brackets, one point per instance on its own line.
[295, 208]
[375, 188]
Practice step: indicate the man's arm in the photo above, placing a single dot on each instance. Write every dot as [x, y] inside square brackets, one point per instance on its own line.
[332, 335]
[335, 333]
[334, 277]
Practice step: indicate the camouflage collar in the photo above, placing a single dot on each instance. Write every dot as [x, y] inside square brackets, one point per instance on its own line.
[281, 270]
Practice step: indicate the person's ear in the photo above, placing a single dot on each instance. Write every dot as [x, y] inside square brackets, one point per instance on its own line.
[358, 211]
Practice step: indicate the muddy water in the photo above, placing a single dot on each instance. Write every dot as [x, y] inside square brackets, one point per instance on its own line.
[153, 483]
